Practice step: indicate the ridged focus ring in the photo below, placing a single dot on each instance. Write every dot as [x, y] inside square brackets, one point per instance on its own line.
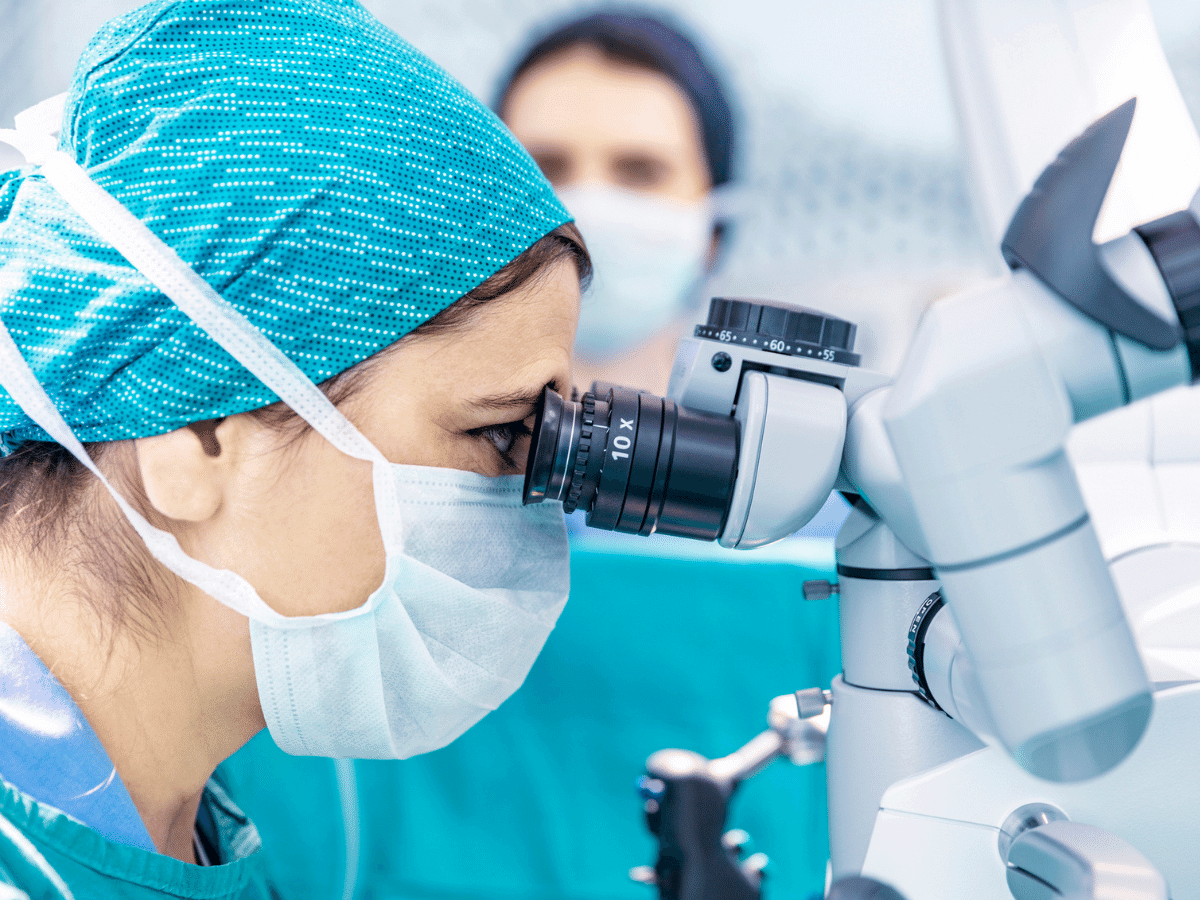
[916, 644]
[575, 489]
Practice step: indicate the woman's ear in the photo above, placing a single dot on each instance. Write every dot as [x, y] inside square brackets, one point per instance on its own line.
[185, 472]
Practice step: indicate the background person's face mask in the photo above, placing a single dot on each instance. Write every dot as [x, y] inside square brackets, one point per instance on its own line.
[474, 581]
[649, 254]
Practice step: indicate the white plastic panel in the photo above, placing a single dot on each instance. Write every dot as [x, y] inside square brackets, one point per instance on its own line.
[936, 835]
[1176, 426]
[1179, 494]
[792, 436]
[1122, 499]
[1139, 470]
[1160, 589]
[976, 872]
[1176, 456]
[1029, 75]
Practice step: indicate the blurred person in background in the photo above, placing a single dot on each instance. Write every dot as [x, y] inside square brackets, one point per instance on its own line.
[632, 125]
[631, 122]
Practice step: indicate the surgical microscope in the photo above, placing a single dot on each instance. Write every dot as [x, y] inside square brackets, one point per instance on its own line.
[994, 732]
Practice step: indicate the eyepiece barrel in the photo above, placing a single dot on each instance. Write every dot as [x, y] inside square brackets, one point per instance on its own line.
[634, 462]
[552, 451]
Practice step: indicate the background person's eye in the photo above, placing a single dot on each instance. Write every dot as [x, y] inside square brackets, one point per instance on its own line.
[636, 170]
[555, 166]
[507, 440]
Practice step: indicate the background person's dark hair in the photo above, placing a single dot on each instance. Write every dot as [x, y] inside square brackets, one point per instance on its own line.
[653, 41]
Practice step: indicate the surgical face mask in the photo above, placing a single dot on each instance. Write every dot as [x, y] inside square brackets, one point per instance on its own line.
[474, 581]
[649, 254]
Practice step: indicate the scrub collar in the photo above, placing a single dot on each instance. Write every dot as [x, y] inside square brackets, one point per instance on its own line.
[50, 752]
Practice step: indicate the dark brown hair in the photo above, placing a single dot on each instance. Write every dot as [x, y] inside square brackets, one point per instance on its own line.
[656, 42]
[53, 510]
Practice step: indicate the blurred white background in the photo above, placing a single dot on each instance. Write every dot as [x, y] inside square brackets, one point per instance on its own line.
[854, 196]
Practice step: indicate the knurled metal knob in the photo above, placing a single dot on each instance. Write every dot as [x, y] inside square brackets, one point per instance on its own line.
[916, 644]
[780, 328]
[575, 488]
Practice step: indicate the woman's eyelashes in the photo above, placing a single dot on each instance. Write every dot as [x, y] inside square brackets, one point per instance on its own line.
[505, 440]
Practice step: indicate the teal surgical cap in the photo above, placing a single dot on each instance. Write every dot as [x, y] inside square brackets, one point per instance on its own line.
[324, 177]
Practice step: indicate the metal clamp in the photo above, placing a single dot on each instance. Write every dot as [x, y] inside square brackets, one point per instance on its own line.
[686, 801]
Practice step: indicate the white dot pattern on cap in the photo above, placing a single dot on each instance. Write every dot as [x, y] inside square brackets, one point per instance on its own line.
[327, 180]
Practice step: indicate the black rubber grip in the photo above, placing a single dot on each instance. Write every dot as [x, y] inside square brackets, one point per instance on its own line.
[1174, 242]
[886, 574]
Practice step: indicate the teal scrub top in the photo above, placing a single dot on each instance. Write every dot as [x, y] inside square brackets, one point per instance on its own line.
[663, 644]
[47, 855]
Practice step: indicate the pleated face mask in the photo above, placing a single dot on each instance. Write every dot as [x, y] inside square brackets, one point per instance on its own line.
[650, 254]
[474, 581]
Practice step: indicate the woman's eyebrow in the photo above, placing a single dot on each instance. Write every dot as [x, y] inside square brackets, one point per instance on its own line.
[516, 399]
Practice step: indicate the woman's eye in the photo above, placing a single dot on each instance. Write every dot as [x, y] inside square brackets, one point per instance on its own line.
[640, 171]
[556, 166]
[505, 439]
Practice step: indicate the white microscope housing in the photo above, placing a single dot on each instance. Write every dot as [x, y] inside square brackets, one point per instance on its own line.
[976, 605]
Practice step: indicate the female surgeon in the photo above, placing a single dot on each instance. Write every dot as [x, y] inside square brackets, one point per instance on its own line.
[276, 307]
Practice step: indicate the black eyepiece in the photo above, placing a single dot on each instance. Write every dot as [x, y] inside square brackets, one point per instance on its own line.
[555, 438]
[634, 462]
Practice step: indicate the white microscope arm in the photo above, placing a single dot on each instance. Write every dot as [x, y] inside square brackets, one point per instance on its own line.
[978, 420]
[1139, 467]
